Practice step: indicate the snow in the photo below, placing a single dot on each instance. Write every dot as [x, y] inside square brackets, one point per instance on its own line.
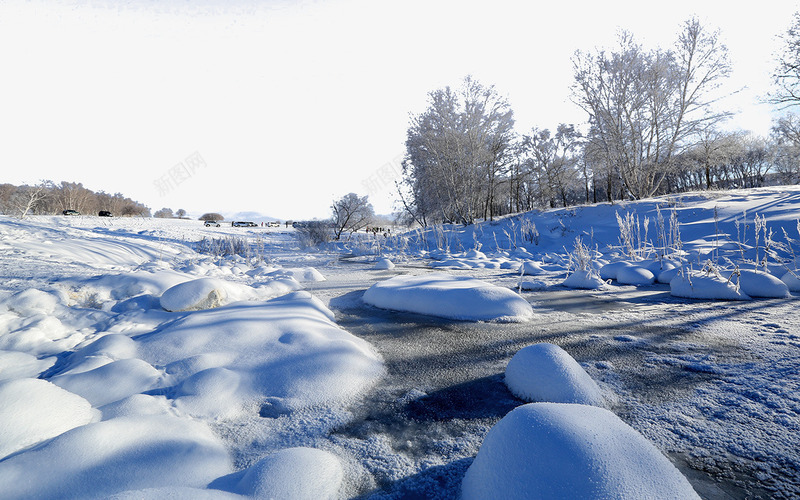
[546, 372]
[761, 284]
[115, 397]
[634, 275]
[557, 450]
[584, 279]
[792, 280]
[449, 296]
[384, 264]
[296, 473]
[98, 459]
[35, 410]
[609, 271]
[288, 347]
[705, 285]
[203, 293]
[111, 381]
[530, 267]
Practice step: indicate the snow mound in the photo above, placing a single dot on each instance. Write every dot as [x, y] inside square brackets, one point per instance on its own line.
[15, 365]
[128, 453]
[792, 280]
[556, 450]
[530, 286]
[301, 274]
[203, 293]
[175, 493]
[474, 254]
[699, 285]
[634, 275]
[31, 302]
[609, 271]
[585, 280]
[34, 410]
[546, 372]
[448, 296]
[760, 284]
[530, 267]
[111, 381]
[296, 473]
[289, 348]
[667, 275]
[384, 264]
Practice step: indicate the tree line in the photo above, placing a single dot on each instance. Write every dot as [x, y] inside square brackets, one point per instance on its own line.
[652, 129]
[47, 198]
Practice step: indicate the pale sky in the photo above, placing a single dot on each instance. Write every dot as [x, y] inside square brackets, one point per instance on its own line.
[281, 107]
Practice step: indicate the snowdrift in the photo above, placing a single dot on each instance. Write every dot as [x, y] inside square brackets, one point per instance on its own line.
[556, 450]
[450, 297]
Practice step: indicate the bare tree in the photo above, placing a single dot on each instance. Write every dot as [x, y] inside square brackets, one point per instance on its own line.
[787, 74]
[180, 213]
[646, 106]
[27, 198]
[351, 213]
[786, 141]
[552, 163]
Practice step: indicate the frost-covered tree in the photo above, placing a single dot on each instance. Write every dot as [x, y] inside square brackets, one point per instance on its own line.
[351, 213]
[212, 216]
[786, 141]
[552, 161]
[646, 106]
[180, 213]
[456, 152]
[787, 74]
[164, 213]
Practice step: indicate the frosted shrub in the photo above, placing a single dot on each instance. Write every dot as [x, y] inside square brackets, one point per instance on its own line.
[529, 232]
[315, 234]
[581, 257]
[222, 247]
[631, 237]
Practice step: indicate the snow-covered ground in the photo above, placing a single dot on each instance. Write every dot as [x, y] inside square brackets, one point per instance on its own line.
[133, 365]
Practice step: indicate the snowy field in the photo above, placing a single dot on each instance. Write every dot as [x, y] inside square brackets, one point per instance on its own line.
[655, 356]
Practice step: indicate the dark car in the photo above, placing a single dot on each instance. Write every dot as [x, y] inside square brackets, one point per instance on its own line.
[71, 212]
[104, 213]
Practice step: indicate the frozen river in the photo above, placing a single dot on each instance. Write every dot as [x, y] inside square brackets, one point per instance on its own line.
[693, 377]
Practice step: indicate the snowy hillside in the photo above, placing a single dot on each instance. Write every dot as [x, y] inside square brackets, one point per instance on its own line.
[153, 358]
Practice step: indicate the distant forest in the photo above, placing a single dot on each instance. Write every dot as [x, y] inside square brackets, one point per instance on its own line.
[47, 198]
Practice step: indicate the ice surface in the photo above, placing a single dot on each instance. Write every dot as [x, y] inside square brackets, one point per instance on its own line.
[556, 450]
